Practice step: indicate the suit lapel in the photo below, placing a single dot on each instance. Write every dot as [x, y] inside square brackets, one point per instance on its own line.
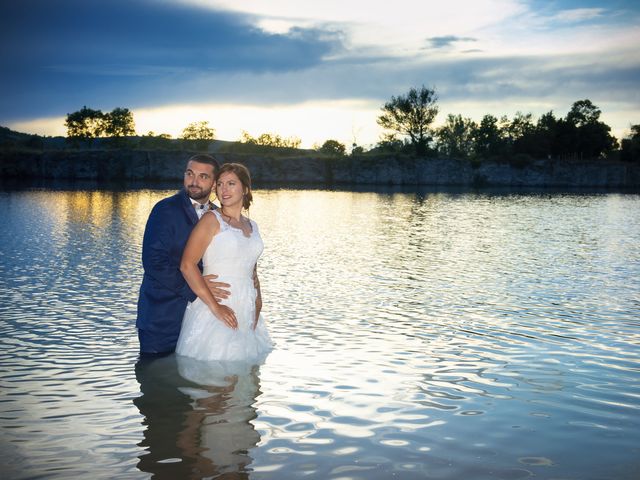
[188, 208]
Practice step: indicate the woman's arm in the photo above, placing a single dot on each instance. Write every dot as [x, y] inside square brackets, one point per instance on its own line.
[256, 283]
[199, 240]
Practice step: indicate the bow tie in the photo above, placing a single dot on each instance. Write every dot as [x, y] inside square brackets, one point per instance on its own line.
[201, 206]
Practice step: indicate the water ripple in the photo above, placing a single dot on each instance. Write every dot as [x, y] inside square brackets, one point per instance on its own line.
[444, 335]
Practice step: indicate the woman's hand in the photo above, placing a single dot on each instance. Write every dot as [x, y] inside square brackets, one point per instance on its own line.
[226, 315]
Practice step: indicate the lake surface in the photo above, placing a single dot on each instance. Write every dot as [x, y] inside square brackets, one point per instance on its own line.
[440, 334]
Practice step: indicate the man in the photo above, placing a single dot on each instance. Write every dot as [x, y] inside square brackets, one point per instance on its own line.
[164, 293]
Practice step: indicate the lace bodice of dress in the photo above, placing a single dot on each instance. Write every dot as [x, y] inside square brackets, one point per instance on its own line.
[231, 254]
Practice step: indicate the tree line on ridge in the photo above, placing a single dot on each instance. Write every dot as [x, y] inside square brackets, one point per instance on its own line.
[408, 123]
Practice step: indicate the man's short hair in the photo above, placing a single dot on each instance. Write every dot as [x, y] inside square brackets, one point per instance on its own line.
[205, 158]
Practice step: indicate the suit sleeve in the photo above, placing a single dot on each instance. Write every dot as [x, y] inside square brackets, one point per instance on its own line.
[161, 253]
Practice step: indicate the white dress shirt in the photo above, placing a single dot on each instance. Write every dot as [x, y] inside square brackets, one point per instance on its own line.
[201, 208]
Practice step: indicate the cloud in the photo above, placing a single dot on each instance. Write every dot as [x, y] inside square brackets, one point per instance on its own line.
[447, 41]
[74, 49]
[578, 15]
[397, 29]
[78, 33]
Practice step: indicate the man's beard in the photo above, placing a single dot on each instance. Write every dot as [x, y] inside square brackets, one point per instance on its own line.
[197, 193]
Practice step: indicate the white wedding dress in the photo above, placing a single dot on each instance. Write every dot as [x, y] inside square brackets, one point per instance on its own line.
[232, 256]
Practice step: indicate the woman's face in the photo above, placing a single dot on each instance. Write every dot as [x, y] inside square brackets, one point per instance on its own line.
[229, 189]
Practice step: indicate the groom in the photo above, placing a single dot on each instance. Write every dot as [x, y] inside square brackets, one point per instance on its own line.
[164, 293]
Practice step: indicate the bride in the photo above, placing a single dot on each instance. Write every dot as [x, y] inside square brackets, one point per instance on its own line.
[229, 244]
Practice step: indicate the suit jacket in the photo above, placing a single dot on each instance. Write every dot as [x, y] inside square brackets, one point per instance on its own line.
[164, 293]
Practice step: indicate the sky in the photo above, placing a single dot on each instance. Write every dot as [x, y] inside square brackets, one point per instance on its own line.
[315, 70]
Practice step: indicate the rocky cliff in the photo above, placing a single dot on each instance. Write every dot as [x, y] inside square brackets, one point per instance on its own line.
[381, 170]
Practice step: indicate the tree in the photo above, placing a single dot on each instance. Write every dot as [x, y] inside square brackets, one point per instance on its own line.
[85, 123]
[389, 142]
[198, 131]
[544, 136]
[595, 140]
[583, 112]
[199, 134]
[455, 137]
[247, 138]
[593, 136]
[333, 147]
[356, 149]
[271, 140]
[412, 115]
[487, 138]
[88, 123]
[630, 146]
[519, 134]
[119, 123]
[565, 138]
[521, 126]
[275, 140]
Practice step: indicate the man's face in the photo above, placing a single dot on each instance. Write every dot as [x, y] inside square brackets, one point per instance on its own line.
[198, 180]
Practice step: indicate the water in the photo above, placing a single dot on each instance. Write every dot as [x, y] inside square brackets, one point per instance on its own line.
[445, 335]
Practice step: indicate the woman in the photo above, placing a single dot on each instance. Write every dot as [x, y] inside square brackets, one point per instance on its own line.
[229, 245]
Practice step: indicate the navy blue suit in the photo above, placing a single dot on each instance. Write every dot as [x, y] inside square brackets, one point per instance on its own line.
[164, 292]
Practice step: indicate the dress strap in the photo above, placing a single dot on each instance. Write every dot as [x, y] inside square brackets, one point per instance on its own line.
[223, 224]
[254, 226]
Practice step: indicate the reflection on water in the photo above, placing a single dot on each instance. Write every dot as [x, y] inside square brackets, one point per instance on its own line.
[197, 417]
[441, 334]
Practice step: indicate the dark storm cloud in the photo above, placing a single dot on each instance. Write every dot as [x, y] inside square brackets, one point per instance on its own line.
[65, 53]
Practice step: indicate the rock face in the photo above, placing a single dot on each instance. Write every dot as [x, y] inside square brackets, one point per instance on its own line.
[379, 170]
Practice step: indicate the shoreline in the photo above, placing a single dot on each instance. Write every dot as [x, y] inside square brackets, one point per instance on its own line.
[382, 170]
